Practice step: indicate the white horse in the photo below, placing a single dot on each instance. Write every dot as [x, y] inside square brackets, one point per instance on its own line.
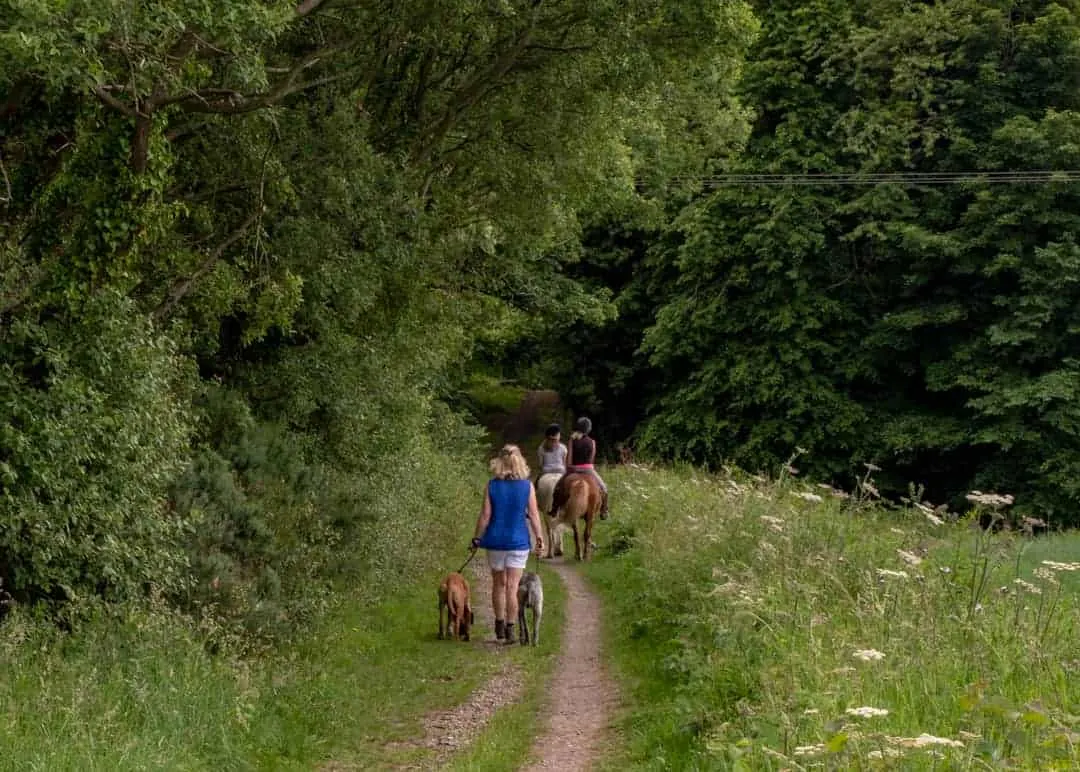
[545, 492]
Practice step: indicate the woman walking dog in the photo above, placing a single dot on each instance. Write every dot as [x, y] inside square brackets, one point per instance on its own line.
[503, 530]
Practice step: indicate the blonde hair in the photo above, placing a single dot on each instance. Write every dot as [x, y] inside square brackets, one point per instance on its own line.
[509, 464]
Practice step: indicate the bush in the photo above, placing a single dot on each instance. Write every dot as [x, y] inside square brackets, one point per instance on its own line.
[279, 528]
[96, 431]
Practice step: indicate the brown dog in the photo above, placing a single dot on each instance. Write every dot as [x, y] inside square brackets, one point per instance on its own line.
[454, 596]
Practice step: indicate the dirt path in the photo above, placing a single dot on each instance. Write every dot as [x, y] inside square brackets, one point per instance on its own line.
[448, 731]
[581, 695]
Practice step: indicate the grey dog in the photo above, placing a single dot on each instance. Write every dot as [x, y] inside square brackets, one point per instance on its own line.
[530, 595]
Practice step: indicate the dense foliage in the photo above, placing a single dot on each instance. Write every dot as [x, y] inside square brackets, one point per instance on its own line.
[244, 249]
[931, 329]
[248, 253]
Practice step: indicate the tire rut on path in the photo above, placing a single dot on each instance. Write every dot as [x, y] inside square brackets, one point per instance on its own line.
[448, 731]
[582, 698]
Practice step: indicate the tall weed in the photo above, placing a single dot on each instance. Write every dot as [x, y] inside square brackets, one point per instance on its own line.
[779, 625]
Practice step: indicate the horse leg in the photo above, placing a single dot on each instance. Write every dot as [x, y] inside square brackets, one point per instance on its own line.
[440, 619]
[588, 533]
[577, 544]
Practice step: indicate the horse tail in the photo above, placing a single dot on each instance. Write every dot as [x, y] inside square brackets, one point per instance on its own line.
[577, 497]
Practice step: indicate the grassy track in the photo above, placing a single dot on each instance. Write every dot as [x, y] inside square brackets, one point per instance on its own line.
[143, 693]
[751, 622]
[509, 736]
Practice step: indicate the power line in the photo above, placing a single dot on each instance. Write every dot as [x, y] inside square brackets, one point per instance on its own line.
[911, 179]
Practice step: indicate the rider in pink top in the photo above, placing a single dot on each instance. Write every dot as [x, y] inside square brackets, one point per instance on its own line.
[581, 457]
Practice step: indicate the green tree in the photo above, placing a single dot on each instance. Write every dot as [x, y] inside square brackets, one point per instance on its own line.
[925, 327]
[315, 205]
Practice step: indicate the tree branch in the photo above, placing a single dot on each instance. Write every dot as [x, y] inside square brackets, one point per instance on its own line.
[471, 94]
[7, 182]
[230, 102]
[181, 288]
[102, 93]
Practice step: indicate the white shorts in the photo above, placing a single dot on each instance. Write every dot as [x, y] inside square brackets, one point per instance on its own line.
[500, 560]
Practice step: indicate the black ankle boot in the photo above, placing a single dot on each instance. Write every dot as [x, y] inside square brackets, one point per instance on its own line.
[509, 633]
[500, 629]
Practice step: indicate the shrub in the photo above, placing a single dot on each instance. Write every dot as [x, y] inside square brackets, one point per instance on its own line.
[96, 429]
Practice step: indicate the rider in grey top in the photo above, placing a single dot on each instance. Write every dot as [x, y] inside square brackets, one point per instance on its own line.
[552, 454]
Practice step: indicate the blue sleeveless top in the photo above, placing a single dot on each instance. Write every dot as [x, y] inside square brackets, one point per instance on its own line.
[508, 528]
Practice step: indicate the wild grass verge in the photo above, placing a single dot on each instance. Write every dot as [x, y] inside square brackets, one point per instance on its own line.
[141, 690]
[776, 626]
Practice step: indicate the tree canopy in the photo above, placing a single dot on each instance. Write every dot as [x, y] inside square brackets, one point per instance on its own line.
[244, 248]
[928, 328]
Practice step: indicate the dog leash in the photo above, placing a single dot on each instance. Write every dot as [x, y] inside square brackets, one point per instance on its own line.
[472, 554]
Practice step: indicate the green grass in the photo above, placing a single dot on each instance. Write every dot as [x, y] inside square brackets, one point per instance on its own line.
[142, 692]
[734, 609]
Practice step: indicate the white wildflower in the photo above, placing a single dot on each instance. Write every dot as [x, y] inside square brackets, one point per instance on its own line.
[1028, 586]
[775, 523]
[1046, 575]
[809, 750]
[909, 557]
[808, 496]
[925, 741]
[885, 572]
[929, 514]
[728, 588]
[1053, 565]
[872, 467]
[867, 712]
[811, 712]
[888, 753]
[994, 500]
[868, 655]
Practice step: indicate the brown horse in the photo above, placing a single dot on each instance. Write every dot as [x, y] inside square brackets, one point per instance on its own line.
[583, 501]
